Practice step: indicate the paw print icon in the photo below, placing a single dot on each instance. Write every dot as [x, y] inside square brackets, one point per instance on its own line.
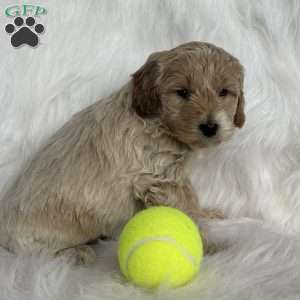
[24, 32]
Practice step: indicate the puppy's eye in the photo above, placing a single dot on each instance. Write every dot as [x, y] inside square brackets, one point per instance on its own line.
[183, 93]
[223, 93]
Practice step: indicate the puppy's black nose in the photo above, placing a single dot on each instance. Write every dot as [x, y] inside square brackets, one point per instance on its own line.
[209, 129]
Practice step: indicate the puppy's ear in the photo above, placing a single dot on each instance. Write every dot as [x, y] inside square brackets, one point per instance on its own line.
[145, 95]
[239, 118]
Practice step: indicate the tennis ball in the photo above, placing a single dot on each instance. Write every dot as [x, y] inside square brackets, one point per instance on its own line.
[160, 245]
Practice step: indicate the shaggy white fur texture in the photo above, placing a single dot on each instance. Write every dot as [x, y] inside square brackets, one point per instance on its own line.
[88, 50]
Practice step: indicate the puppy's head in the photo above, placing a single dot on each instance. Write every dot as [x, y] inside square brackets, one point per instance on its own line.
[196, 90]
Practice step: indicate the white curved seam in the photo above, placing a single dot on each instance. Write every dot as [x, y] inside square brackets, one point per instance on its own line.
[164, 239]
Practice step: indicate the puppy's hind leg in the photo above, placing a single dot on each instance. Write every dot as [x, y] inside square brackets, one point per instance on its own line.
[77, 255]
[47, 243]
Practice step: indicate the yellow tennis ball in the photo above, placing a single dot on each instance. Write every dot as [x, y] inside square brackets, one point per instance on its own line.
[160, 245]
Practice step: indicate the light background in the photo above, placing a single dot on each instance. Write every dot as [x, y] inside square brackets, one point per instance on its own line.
[88, 50]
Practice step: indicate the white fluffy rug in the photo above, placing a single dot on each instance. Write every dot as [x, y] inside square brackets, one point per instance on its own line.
[88, 50]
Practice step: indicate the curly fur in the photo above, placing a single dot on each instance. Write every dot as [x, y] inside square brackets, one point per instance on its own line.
[124, 153]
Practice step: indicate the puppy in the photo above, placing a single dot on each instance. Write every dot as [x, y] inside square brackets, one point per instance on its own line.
[125, 153]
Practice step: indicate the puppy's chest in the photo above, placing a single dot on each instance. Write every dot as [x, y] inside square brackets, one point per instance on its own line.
[159, 159]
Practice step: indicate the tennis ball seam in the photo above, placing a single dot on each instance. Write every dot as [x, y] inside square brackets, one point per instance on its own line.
[139, 243]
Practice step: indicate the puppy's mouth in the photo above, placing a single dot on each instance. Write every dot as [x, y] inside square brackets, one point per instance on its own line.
[197, 140]
[222, 136]
[206, 133]
[217, 131]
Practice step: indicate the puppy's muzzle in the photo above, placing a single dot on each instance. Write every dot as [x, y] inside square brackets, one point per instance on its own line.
[209, 129]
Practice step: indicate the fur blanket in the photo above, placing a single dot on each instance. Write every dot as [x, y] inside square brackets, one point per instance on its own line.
[87, 50]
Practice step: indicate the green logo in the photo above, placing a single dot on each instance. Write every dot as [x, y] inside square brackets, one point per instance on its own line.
[25, 10]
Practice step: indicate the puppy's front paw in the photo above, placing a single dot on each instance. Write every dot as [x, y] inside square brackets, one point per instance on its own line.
[211, 214]
[212, 236]
[78, 255]
[210, 247]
